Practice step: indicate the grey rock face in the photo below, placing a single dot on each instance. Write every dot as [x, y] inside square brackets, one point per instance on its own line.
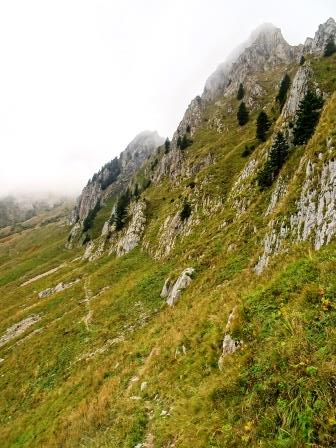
[229, 345]
[138, 150]
[272, 244]
[315, 216]
[317, 206]
[241, 193]
[59, 287]
[168, 232]
[134, 230]
[166, 288]
[297, 91]
[265, 49]
[318, 43]
[18, 328]
[171, 163]
[119, 243]
[191, 119]
[278, 192]
[172, 291]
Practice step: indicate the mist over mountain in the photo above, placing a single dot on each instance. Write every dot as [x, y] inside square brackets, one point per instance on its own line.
[109, 74]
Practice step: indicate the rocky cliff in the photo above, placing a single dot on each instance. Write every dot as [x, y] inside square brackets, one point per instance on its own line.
[115, 175]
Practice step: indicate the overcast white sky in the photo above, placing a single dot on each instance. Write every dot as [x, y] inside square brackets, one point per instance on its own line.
[80, 78]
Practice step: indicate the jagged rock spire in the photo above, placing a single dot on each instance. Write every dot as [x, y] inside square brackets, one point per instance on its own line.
[265, 48]
[317, 44]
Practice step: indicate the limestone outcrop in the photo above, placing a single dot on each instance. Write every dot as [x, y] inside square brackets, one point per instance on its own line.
[58, 288]
[315, 216]
[134, 230]
[19, 328]
[230, 345]
[171, 291]
[297, 91]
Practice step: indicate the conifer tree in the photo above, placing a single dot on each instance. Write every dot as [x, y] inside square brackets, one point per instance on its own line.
[302, 60]
[167, 145]
[183, 142]
[186, 210]
[120, 212]
[330, 47]
[276, 158]
[263, 125]
[241, 92]
[88, 221]
[242, 114]
[282, 94]
[307, 117]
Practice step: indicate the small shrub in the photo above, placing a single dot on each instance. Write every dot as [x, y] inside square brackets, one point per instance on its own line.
[186, 211]
[248, 150]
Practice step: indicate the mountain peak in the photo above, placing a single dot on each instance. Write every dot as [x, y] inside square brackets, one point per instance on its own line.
[265, 29]
[330, 21]
[146, 137]
[317, 44]
[264, 48]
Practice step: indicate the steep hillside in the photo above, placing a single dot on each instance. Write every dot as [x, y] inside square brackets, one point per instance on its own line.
[196, 306]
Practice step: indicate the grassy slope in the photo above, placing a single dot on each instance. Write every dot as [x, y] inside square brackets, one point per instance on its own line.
[278, 391]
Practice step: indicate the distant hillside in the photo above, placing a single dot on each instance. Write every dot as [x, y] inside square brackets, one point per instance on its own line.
[15, 209]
